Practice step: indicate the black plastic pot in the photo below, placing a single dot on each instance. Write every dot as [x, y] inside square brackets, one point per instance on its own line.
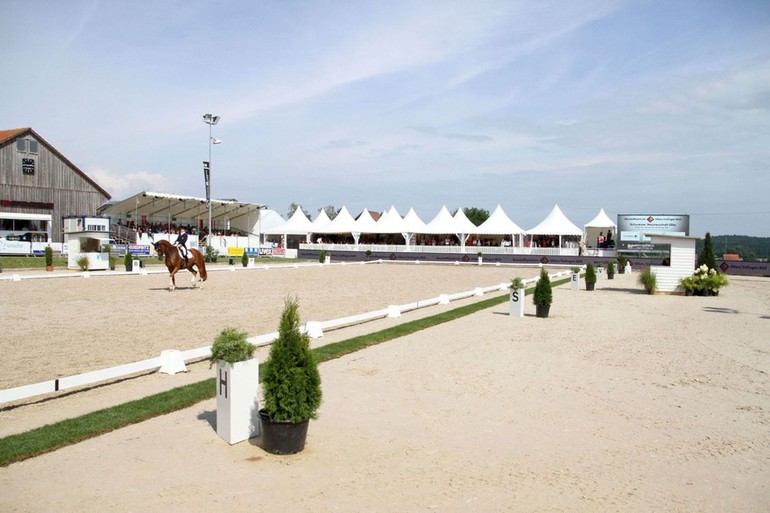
[542, 311]
[610, 276]
[590, 286]
[282, 437]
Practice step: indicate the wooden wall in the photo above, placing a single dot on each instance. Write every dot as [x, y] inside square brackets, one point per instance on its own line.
[55, 180]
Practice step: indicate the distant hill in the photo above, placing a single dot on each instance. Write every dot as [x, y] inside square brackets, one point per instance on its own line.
[749, 248]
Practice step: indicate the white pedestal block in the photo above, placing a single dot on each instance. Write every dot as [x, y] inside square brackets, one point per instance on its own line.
[237, 401]
[575, 281]
[173, 362]
[136, 265]
[516, 301]
[600, 272]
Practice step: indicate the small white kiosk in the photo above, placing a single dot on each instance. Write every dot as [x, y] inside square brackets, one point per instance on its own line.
[89, 237]
[681, 261]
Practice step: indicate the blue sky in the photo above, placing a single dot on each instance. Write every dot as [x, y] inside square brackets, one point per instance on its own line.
[634, 107]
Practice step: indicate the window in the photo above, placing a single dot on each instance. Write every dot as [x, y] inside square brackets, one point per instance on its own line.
[32, 146]
[21, 144]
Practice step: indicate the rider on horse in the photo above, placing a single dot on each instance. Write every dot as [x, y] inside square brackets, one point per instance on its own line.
[181, 241]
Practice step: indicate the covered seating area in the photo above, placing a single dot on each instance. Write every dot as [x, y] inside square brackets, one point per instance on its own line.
[444, 233]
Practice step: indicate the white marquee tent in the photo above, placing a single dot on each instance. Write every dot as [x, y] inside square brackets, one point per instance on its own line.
[556, 223]
[599, 225]
[500, 224]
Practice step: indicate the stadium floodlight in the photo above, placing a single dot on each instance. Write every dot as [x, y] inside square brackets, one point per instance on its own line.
[210, 120]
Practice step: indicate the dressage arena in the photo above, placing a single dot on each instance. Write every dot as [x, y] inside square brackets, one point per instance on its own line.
[619, 401]
[62, 327]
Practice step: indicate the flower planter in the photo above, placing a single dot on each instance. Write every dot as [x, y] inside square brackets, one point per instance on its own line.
[516, 301]
[590, 286]
[542, 310]
[49, 268]
[610, 276]
[237, 402]
[282, 437]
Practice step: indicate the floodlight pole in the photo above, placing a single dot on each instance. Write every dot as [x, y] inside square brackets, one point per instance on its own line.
[210, 120]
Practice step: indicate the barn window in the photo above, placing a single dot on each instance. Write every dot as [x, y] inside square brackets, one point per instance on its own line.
[21, 144]
[32, 146]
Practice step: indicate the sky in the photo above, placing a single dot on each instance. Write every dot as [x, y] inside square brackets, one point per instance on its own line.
[637, 107]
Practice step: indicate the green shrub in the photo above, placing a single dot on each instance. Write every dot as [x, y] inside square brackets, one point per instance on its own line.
[648, 280]
[622, 264]
[128, 260]
[231, 346]
[517, 283]
[543, 295]
[590, 273]
[291, 382]
[245, 259]
[611, 267]
[82, 262]
[48, 256]
[322, 256]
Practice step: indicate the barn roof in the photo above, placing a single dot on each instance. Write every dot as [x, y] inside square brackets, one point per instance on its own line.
[12, 134]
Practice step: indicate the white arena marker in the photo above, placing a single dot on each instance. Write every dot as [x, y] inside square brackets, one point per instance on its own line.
[443, 299]
[394, 312]
[478, 292]
[16, 277]
[313, 329]
[172, 362]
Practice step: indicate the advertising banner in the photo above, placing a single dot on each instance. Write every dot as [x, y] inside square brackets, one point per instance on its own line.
[633, 227]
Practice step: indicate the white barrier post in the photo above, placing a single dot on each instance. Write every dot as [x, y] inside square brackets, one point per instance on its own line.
[313, 329]
[575, 281]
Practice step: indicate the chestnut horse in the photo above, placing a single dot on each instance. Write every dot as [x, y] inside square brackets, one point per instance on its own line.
[175, 262]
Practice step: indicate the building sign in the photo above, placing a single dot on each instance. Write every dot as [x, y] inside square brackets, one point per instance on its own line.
[138, 249]
[28, 166]
[26, 204]
[633, 227]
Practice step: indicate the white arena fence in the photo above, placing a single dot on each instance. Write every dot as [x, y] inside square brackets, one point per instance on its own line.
[173, 361]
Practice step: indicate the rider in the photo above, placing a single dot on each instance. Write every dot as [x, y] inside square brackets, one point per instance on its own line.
[181, 241]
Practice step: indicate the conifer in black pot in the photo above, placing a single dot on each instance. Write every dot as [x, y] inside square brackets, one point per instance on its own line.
[590, 276]
[291, 386]
[543, 295]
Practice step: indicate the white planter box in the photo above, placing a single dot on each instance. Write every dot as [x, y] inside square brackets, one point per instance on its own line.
[237, 401]
[516, 301]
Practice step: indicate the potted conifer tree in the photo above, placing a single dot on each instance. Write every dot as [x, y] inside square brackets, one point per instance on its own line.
[48, 259]
[128, 261]
[590, 276]
[244, 259]
[543, 295]
[622, 264]
[291, 386]
[611, 270]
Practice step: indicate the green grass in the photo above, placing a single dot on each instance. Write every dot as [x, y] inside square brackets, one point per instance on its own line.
[50, 437]
[31, 262]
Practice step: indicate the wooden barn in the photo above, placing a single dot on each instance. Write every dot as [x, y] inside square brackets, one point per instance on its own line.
[35, 178]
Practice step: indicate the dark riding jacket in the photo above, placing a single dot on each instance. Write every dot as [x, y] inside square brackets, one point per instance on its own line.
[182, 241]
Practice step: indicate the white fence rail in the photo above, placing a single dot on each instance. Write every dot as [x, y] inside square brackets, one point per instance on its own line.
[313, 328]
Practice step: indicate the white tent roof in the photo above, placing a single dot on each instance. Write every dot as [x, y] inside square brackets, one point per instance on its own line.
[602, 220]
[342, 223]
[444, 223]
[556, 223]
[269, 219]
[366, 223]
[298, 224]
[321, 220]
[499, 224]
[412, 223]
[390, 222]
[463, 223]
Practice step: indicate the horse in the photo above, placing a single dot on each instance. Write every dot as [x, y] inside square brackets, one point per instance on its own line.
[175, 262]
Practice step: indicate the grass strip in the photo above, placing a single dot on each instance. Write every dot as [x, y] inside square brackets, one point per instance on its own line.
[60, 434]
